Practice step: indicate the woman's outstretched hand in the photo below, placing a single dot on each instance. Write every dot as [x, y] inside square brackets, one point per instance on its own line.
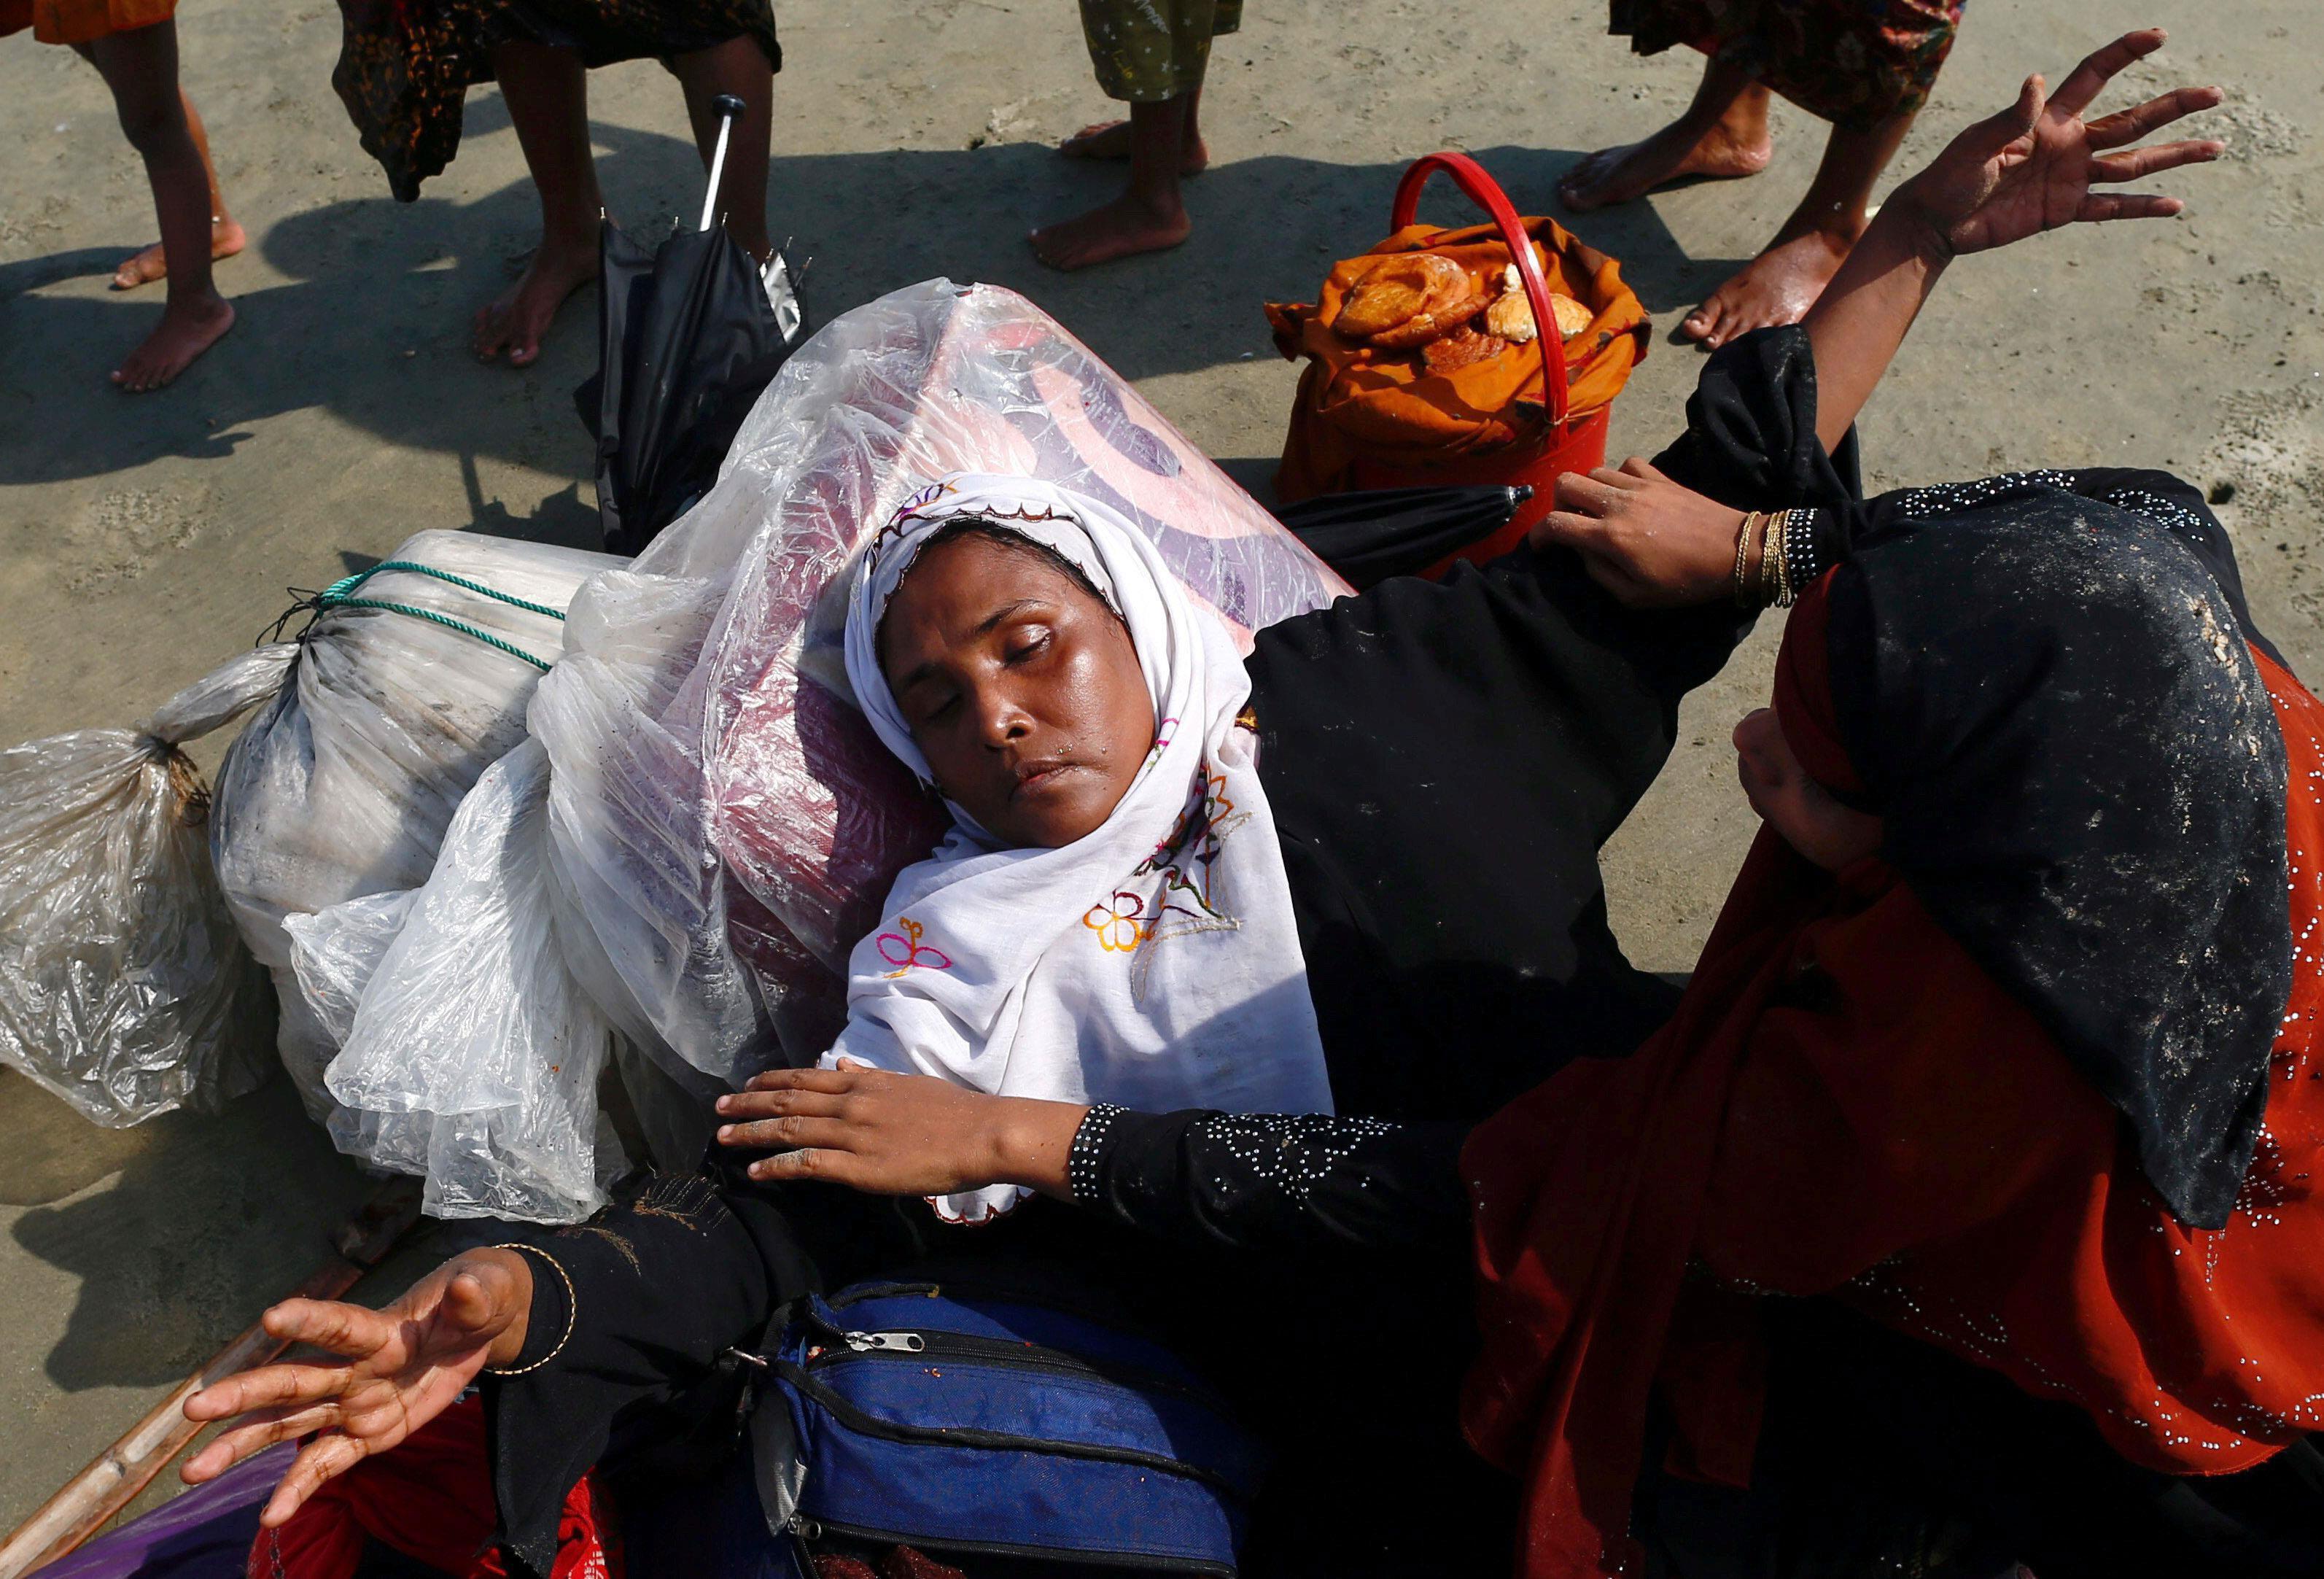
[1647, 540]
[888, 1134]
[2032, 167]
[402, 1365]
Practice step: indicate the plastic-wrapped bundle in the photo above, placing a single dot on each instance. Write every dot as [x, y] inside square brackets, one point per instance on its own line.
[344, 786]
[470, 1056]
[724, 823]
[122, 987]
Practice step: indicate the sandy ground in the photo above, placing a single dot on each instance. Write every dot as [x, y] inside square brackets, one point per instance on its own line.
[144, 539]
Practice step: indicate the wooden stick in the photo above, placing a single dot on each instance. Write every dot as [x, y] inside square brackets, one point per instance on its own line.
[114, 1477]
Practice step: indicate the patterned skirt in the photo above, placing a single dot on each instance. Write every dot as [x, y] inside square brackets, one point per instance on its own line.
[1852, 62]
[406, 65]
[1148, 50]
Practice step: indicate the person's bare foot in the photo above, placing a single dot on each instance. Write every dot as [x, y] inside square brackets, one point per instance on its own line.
[225, 240]
[189, 327]
[1111, 140]
[517, 319]
[1737, 144]
[1777, 287]
[1120, 229]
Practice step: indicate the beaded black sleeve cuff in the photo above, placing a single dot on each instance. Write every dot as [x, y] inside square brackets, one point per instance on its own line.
[1808, 548]
[1082, 1163]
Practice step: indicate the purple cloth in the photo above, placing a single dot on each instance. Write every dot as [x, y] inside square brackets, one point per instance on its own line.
[204, 1533]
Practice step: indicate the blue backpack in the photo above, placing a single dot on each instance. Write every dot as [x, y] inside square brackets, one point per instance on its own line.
[959, 1422]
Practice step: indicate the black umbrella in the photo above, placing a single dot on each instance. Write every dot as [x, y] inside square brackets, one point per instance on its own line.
[689, 335]
[1370, 536]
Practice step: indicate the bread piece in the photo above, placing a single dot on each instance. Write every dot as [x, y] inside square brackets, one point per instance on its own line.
[1511, 318]
[1395, 290]
[1512, 314]
[1461, 348]
[1432, 325]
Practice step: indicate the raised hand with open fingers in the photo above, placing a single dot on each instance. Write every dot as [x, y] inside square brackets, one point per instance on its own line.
[399, 1368]
[1650, 541]
[2033, 167]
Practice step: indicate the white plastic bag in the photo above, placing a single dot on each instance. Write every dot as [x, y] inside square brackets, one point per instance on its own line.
[724, 823]
[122, 987]
[344, 786]
[335, 954]
[470, 1055]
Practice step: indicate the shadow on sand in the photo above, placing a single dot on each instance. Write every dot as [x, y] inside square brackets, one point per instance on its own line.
[374, 326]
[205, 1220]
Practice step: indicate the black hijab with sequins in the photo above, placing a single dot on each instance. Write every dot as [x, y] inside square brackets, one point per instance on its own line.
[2042, 684]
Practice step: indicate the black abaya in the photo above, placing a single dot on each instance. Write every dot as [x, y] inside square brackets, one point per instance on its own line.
[1444, 762]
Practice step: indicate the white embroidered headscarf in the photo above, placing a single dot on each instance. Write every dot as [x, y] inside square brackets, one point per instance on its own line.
[1154, 963]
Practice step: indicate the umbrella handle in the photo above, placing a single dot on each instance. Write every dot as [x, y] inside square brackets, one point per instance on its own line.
[728, 108]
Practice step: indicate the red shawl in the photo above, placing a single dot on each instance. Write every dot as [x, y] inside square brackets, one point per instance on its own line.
[1846, 1104]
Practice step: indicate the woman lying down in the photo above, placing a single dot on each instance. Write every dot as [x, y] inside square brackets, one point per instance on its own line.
[1356, 874]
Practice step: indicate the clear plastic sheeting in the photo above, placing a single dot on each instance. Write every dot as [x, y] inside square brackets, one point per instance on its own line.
[471, 1057]
[345, 785]
[723, 821]
[335, 954]
[123, 986]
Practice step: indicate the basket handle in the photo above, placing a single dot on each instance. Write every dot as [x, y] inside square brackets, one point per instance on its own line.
[1487, 194]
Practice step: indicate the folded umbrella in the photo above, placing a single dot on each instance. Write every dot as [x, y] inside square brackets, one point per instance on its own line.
[1370, 535]
[689, 334]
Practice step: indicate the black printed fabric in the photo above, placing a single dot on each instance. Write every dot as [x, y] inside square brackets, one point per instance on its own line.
[2045, 682]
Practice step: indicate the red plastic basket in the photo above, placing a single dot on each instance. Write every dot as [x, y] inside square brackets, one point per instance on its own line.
[1567, 445]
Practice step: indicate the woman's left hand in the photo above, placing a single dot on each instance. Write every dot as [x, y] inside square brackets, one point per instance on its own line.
[2030, 168]
[888, 1134]
[1650, 541]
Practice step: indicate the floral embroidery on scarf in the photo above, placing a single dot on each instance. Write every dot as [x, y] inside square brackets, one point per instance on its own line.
[1127, 921]
[904, 950]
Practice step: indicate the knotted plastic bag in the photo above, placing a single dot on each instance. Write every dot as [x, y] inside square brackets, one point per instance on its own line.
[407, 688]
[124, 988]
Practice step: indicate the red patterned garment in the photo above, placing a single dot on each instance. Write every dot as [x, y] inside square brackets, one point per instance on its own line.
[1847, 1105]
[430, 1498]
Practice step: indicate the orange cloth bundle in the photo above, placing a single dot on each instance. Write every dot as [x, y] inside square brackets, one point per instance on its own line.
[1398, 408]
[81, 21]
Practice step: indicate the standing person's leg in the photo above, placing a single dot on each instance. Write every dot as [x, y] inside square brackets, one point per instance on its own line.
[1865, 66]
[1111, 140]
[1151, 54]
[548, 94]
[141, 68]
[225, 236]
[739, 67]
[1779, 285]
[1723, 133]
[1150, 215]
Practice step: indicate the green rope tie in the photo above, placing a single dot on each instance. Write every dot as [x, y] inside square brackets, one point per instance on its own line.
[338, 595]
[450, 623]
[347, 584]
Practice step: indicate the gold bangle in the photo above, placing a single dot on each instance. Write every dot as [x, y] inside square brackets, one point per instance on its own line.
[1785, 592]
[1766, 547]
[572, 1311]
[1743, 558]
[1776, 582]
